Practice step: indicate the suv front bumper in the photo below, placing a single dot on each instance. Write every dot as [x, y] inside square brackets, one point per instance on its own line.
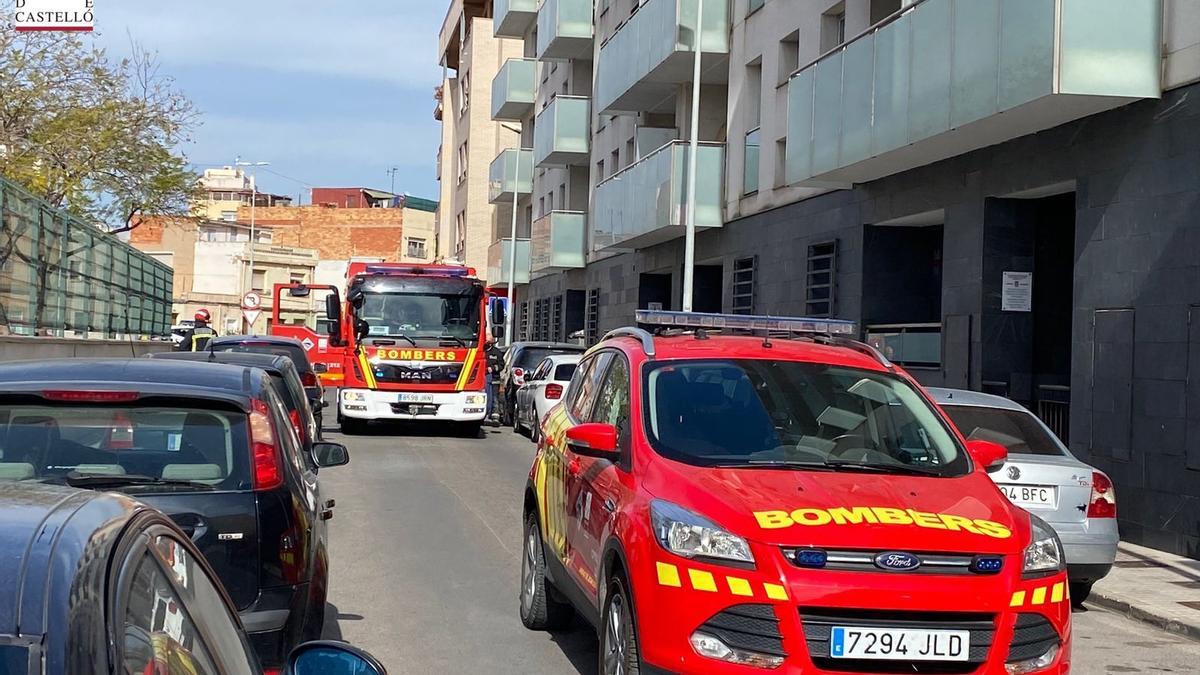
[372, 404]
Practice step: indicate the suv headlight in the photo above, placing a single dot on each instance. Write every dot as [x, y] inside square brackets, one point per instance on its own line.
[693, 536]
[1045, 553]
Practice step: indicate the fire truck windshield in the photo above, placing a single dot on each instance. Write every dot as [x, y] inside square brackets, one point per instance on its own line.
[422, 315]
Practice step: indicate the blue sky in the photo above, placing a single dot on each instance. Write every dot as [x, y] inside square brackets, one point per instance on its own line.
[330, 93]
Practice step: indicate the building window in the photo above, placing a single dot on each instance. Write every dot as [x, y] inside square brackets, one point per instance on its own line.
[258, 280]
[615, 161]
[556, 320]
[751, 158]
[416, 248]
[296, 278]
[229, 216]
[464, 90]
[600, 171]
[833, 27]
[462, 162]
[821, 278]
[525, 320]
[789, 57]
[781, 162]
[460, 236]
[743, 285]
[592, 324]
[754, 5]
[562, 196]
[631, 149]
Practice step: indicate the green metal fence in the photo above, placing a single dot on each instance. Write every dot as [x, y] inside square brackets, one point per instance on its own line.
[60, 276]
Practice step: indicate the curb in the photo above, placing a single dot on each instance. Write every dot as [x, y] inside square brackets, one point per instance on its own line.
[1173, 626]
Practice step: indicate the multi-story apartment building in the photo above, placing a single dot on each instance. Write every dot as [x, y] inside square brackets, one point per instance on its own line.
[223, 190]
[470, 56]
[1003, 193]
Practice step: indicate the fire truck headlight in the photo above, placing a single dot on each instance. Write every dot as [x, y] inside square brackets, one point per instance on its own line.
[693, 536]
[350, 395]
[1044, 553]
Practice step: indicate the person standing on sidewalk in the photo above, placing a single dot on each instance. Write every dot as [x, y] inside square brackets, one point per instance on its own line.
[197, 338]
[495, 361]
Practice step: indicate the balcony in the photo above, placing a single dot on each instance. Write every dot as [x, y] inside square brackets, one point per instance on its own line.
[511, 168]
[642, 64]
[943, 78]
[513, 17]
[560, 135]
[645, 204]
[564, 29]
[513, 90]
[558, 241]
[498, 262]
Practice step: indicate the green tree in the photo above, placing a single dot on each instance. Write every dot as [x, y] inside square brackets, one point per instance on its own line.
[94, 135]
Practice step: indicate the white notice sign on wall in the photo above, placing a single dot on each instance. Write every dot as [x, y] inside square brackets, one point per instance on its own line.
[1017, 293]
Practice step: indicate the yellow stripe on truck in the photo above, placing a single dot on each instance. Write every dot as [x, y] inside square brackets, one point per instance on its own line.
[465, 375]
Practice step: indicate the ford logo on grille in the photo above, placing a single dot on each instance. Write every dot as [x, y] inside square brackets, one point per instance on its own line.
[897, 561]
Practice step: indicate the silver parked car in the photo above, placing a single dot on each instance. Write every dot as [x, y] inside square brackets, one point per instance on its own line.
[1043, 477]
[543, 389]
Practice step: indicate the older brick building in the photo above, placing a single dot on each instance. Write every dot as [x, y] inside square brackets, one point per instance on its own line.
[336, 233]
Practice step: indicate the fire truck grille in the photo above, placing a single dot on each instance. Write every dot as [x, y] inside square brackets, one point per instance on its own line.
[1034, 636]
[818, 626]
[432, 374]
[753, 628]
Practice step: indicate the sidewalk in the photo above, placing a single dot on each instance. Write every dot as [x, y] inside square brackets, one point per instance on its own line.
[1152, 586]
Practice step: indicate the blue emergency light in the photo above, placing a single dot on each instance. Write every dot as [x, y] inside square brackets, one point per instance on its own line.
[747, 322]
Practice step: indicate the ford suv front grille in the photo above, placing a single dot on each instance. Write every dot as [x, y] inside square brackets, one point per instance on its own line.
[858, 560]
[1034, 636]
[752, 628]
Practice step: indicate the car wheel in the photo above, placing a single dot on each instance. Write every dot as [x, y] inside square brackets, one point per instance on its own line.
[619, 652]
[516, 421]
[1080, 590]
[540, 609]
[535, 432]
[505, 416]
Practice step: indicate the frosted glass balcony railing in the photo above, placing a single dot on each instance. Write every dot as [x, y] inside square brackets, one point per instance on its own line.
[646, 203]
[558, 241]
[942, 78]
[513, 90]
[640, 66]
[511, 167]
[513, 17]
[560, 135]
[564, 29]
[498, 262]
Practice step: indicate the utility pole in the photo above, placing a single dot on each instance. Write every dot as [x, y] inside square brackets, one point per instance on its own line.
[253, 204]
[512, 245]
[689, 236]
[392, 172]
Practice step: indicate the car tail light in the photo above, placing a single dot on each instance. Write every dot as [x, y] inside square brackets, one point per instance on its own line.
[268, 473]
[294, 416]
[519, 375]
[91, 396]
[554, 391]
[308, 379]
[1103, 503]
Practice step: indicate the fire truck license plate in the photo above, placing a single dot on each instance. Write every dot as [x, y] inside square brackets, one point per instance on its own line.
[899, 644]
[415, 398]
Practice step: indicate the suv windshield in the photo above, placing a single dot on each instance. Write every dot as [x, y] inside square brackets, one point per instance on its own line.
[749, 412]
[48, 442]
[1018, 431]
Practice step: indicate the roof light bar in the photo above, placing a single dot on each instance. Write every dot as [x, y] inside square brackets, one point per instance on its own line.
[435, 270]
[746, 322]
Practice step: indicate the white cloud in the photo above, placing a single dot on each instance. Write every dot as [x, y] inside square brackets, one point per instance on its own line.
[389, 42]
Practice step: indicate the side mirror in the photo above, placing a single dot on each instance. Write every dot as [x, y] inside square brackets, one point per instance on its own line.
[594, 439]
[989, 455]
[327, 454]
[319, 368]
[327, 657]
[498, 314]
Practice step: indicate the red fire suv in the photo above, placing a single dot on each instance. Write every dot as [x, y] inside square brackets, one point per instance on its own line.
[785, 500]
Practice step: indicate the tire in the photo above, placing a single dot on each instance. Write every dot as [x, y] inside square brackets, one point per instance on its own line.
[505, 412]
[353, 427]
[535, 432]
[516, 422]
[539, 606]
[1080, 590]
[619, 650]
[470, 429]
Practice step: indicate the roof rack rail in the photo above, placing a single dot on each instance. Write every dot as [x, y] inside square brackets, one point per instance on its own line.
[644, 336]
[858, 346]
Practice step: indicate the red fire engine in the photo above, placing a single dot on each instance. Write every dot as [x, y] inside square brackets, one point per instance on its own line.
[407, 344]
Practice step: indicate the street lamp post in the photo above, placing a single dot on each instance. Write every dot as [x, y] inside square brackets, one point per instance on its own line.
[689, 236]
[253, 204]
[512, 245]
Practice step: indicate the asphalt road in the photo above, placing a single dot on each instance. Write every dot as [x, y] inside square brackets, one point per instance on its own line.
[425, 567]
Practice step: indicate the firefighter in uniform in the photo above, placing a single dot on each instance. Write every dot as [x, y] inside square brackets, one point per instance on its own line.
[197, 338]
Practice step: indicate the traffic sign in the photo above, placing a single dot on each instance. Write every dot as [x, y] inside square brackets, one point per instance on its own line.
[308, 344]
[251, 316]
[252, 300]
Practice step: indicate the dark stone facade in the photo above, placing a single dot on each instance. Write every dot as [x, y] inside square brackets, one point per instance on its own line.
[1131, 327]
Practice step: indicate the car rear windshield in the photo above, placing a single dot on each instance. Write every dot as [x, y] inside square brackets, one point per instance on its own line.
[564, 371]
[1016, 430]
[531, 356]
[41, 442]
[293, 352]
[748, 412]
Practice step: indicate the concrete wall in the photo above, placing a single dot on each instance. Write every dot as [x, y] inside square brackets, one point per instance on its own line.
[42, 348]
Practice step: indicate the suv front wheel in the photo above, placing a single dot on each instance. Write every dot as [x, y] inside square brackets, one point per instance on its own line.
[540, 609]
[619, 651]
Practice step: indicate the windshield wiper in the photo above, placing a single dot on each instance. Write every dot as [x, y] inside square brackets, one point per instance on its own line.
[774, 464]
[385, 342]
[882, 467]
[460, 341]
[96, 480]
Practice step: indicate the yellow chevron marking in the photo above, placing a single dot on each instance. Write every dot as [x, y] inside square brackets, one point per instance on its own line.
[1018, 599]
[775, 592]
[739, 587]
[1039, 596]
[1056, 594]
[702, 581]
[668, 575]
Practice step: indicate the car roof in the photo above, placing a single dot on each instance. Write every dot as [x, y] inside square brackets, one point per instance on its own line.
[46, 533]
[552, 345]
[266, 339]
[158, 376]
[716, 346]
[268, 362]
[966, 397]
